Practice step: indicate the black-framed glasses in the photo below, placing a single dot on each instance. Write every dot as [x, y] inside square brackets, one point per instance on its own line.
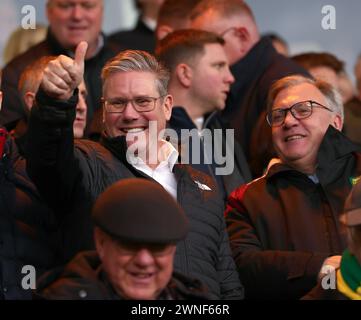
[300, 110]
[140, 104]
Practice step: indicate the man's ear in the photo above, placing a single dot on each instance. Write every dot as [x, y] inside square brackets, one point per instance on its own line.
[337, 122]
[244, 37]
[162, 31]
[184, 74]
[99, 239]
[29, 99]
[168, 106]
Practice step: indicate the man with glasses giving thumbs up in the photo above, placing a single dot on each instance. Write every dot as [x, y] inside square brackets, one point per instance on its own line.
[70, 175]
[284, 227]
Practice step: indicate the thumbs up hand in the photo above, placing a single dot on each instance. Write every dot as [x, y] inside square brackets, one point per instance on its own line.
[64, 74]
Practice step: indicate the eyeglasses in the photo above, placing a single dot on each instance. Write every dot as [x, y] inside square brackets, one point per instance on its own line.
[300, 110]
[140, 104]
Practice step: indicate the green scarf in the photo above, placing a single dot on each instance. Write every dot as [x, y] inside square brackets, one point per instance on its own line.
[349, 277]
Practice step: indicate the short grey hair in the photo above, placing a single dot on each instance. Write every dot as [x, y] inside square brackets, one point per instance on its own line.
[333, 97]
[138, 61]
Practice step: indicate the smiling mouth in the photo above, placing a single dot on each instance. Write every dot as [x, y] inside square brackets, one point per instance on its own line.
[294, 137]
[142, 277]
[133, 130]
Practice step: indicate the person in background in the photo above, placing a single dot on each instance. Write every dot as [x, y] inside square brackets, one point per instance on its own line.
[21, 40]
[70, 21]
[199, 83]
[255, 64]
[279, 43]
[327, 67]
[142, 37]
[174, 15]
[29, 83]
[357, 71]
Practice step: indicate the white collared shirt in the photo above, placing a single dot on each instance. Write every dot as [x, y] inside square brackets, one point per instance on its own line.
[163, 173]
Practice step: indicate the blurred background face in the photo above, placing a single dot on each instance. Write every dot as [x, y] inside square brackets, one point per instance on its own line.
[72, 21]
[298, 141]
[211, 78]
[136, 272]
[227, 28]
[81, 111]
[325, 74]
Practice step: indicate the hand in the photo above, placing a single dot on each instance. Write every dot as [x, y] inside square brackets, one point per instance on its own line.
[63, 75]
[330, 264]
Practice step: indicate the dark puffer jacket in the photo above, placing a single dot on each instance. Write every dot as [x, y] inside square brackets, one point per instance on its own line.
[83, 278]
[71, 177]
[26, 227]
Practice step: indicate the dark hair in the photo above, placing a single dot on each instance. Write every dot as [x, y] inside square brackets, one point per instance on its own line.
[184, 46]
[323, 59]
[175, 13]
[276, 37]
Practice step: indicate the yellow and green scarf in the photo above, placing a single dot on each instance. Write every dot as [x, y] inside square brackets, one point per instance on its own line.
[349, 277]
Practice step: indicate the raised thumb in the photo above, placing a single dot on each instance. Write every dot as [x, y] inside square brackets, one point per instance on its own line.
[80, 53]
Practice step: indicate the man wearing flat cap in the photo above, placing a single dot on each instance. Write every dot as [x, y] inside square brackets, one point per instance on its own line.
[137, 227]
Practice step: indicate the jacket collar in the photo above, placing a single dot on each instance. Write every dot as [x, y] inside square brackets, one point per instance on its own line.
[181, 120]
[334, 146]
[117, 146]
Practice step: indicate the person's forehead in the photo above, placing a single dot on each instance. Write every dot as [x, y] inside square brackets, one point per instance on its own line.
[212, 21]
[301, 92]
[133, 82]
[214, 51]
[82, 2]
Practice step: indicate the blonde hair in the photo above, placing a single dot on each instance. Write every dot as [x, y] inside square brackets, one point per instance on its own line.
[21, 40]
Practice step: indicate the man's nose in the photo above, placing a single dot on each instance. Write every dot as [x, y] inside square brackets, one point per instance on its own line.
[290, 120]
[129, 112]
[77, 12]
[143, 257]
[229, 77]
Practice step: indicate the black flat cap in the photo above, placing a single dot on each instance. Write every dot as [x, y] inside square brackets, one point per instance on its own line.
[140, 211]
[352, 212]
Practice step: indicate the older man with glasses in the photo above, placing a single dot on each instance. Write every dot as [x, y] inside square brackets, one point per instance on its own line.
[285, 226]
